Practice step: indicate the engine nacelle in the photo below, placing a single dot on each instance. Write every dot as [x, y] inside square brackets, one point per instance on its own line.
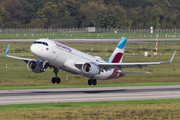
[90, 69]
[35, 66]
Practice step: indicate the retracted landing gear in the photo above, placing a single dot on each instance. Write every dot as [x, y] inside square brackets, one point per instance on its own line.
[92, 81]
[56, 79]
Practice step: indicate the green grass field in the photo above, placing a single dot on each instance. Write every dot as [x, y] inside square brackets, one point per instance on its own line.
[141, 109]
[84, 35]
[17, 76]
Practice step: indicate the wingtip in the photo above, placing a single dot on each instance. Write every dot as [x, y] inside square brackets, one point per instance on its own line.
[172, 57]
[7, 50]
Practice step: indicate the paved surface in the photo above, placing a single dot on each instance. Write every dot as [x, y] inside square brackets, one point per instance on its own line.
[88, 94]
[91, 40]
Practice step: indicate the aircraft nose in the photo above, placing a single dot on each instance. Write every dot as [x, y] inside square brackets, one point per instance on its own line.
[36, 51]
[33, 49]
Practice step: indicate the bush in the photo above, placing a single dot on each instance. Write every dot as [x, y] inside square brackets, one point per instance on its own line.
[17, 50]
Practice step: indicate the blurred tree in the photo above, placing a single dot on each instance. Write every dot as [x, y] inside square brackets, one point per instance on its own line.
[157, 13]
[83, 13]
[13, 24]
[47, 13]
[15, 12]
[120, 16]
[69, 13]
[36, 23]
[148, 17]
[4, 17]
[37, 4]
[28, 10]
[136, 15]
[93, 14]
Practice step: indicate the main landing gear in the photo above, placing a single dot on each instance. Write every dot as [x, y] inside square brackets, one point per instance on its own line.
[45, 65]
[92, 81]
[56, 79]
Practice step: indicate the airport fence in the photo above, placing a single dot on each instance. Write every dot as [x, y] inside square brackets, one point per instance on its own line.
[98, 30]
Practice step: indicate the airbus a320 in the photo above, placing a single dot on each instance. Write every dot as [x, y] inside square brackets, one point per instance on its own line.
[61, 57]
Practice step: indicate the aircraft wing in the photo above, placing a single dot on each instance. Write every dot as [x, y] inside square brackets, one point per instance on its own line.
[26, 60]
[119, 66]
[130, 65]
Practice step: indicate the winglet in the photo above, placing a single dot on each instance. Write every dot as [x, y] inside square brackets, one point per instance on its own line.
[7, 50]
[172, 57]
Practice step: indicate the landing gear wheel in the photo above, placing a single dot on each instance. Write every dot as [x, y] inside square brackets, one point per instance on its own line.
[94, 81]
[89, 82]
[53, 80]
[58, 80]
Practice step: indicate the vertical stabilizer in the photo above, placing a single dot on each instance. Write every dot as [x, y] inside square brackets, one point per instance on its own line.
[117, 55]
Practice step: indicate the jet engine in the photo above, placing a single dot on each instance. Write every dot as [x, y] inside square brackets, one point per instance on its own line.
[90, 69]
[35, 66]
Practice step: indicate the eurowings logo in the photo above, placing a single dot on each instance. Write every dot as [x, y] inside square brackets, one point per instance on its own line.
[63, 47]
[47, 48]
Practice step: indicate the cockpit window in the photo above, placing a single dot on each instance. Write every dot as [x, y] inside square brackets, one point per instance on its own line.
[44, 43]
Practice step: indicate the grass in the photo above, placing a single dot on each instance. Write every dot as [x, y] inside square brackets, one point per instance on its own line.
[17, 76]
[84, 35]
[85, 104]
[141, 109]
[83, 86]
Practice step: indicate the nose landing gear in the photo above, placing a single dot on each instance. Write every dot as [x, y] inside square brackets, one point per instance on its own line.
[56, 79]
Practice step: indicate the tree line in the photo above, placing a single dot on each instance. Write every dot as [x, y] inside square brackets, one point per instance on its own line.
[126, 14]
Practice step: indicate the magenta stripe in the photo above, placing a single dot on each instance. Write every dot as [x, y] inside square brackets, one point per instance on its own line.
[117, 58]
[115, 73]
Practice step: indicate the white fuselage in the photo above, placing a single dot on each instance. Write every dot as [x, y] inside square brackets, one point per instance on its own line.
[64, 57]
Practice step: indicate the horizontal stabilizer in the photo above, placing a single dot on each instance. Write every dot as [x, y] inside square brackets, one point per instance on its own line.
[129, 72]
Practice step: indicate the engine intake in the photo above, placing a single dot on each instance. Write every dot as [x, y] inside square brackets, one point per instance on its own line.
[90, 69]
[35, 66]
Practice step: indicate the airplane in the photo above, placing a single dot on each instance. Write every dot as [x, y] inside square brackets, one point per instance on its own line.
[57, 56]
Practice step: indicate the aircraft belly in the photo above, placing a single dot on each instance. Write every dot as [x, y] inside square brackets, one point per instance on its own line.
[112, 74]
[103, 75]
